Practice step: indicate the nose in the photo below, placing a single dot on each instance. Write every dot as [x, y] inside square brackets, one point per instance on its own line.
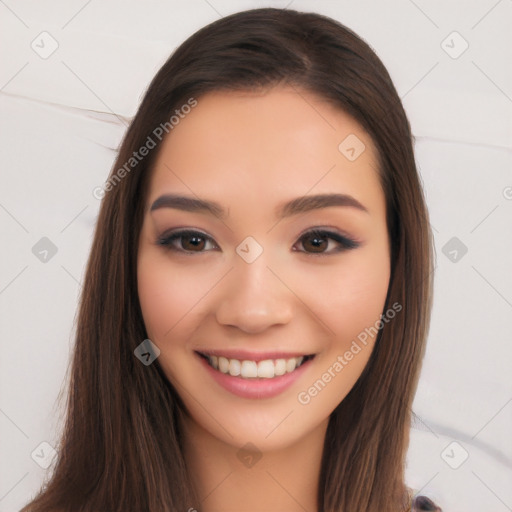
[254, 297]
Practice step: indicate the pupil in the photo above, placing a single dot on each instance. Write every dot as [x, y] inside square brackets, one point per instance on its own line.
[195, 241]
[318, 243]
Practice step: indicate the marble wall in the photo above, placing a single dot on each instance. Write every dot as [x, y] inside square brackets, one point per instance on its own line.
[71, 79]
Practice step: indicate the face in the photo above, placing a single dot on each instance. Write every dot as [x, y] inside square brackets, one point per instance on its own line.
[273, 286]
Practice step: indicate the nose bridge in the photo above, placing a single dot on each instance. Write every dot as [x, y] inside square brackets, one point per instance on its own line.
[253, 298]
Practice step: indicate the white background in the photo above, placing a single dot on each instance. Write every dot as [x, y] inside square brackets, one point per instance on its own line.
[63, 116]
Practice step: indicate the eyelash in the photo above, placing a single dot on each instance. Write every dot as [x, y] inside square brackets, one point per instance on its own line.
[346, 243]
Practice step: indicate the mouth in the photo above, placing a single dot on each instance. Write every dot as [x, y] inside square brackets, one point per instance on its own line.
[252, 369]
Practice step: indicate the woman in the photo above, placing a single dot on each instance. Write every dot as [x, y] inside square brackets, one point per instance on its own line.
[258, 294]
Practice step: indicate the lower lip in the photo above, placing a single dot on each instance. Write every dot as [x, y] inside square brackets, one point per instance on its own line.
[255, 387]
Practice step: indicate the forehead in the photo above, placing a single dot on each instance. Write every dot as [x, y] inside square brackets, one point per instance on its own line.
[275, 144]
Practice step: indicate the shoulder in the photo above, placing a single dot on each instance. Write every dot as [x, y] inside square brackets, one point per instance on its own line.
[424, 504]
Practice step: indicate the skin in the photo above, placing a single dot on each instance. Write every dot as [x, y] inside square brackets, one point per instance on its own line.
[251, 152]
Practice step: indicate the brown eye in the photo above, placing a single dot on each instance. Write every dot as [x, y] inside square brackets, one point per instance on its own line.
[192, 242]
[185, 241]
[313, 242]
[317, 241]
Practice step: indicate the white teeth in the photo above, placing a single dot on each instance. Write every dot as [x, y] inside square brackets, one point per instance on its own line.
[223, 364]
[266, 369]
[291, 364]
[249, 369]
[234, 367]
[280, 367]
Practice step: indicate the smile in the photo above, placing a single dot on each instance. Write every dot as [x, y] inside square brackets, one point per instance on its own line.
[249, 369]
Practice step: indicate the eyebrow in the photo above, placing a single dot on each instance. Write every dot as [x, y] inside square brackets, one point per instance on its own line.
[288, 209]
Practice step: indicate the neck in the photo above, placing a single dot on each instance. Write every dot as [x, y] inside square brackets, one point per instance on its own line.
[229, 478]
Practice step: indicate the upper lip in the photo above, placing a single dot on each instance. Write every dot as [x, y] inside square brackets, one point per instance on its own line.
[250, 355]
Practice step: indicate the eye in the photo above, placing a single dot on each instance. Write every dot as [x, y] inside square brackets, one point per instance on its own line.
[190, 241]
[315, 241]
[318, 241]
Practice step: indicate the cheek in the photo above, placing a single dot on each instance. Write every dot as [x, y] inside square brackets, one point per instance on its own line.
[173, 299]
[165, 296]
[350, 304]
[169, 300]
[347, 296]
[358, 301]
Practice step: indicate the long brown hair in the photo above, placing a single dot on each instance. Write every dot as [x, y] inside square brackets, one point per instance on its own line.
[120, 448]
